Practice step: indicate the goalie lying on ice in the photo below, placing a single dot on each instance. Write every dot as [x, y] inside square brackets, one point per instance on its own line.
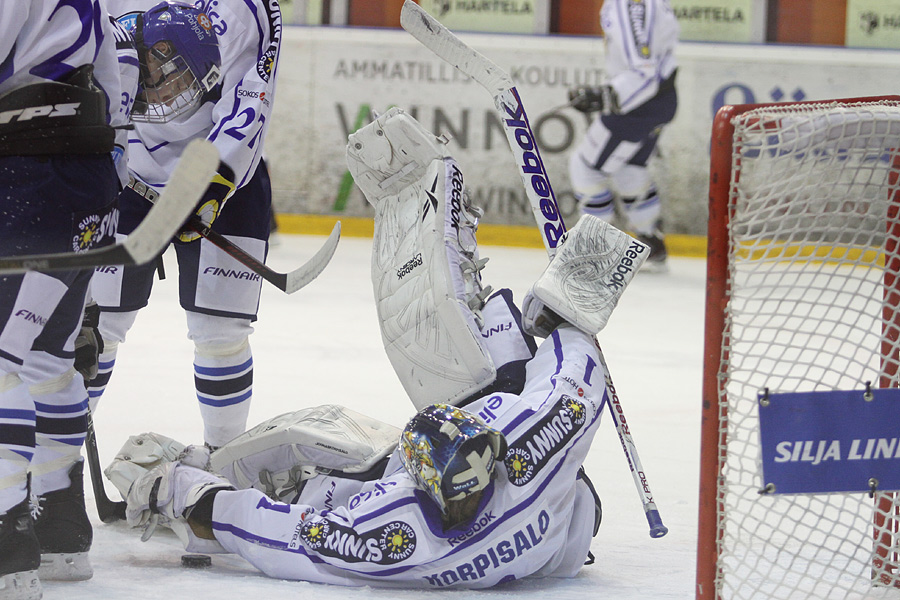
[485, 486]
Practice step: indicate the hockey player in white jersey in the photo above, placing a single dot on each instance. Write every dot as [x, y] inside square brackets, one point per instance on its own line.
[208, 71]
[60, 105]
[472, 495]
[637, 100]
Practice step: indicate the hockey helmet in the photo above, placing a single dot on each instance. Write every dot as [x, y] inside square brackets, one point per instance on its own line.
[450, 453]
[179, 61]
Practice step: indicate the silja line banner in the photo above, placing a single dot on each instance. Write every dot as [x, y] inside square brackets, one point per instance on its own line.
[833, 441]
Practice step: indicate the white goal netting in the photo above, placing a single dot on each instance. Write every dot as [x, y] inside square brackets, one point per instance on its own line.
[811, 305]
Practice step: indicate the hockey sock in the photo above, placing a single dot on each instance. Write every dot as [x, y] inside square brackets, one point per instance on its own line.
[61, 408]
[17, 422]
[643, 213]
[223, 376]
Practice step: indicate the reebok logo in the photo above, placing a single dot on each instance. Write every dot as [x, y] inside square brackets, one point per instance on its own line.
[530, 162]
[626, 265]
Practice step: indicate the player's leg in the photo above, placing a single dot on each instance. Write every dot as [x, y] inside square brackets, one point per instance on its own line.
[120, 292]
[43, 403]
[442, 338]
[642, 206]
[221, 298]
[591, 166]
[57, 469]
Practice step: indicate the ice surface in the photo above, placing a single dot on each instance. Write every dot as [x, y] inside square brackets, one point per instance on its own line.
[322, 345]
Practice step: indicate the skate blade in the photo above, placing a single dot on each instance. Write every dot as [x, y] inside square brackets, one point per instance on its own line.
[75, 566]
[24, 585]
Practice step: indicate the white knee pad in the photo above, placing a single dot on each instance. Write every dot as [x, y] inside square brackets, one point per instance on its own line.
[632, 181]
[114, 327]
[214, 335]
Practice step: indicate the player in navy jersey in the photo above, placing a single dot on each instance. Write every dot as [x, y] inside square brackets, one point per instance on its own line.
[61, 101]
[207, 71]
[637, 100]
[484, 484]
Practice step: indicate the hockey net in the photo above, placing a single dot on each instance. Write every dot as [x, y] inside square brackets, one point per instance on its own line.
[802, 295]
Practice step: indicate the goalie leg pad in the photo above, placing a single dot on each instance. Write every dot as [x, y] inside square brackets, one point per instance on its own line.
[585, 279]
[278, 456]
[425, 263]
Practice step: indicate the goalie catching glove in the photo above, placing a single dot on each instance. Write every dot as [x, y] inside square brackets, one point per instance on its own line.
[583, 283]
[591, 99]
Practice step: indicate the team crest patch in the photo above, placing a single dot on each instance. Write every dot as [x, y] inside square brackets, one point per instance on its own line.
[386, 545]
[266, 65]
[535, 447]
[94, 229]
[315, 533]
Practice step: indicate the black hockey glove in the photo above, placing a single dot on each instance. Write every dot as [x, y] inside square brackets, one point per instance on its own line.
[589, 99]
[220, 189]
[89, 343]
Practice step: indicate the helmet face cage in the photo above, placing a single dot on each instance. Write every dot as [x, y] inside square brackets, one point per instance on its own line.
[179, 61]
[450, 453]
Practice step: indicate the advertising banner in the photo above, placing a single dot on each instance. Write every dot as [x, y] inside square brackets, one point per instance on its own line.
[873, 23]
[330, 80]
[718, 20]
[839, 441]
[501, 16]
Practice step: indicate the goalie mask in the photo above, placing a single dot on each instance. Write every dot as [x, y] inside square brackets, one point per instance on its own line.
[179, 61]
[450, 453]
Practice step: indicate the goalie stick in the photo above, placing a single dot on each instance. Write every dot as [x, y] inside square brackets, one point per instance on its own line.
[497, 82]
[286, 282]
[188, 182]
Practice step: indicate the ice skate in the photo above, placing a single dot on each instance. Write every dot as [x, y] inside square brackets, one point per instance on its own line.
[64, 531]
[20, 555]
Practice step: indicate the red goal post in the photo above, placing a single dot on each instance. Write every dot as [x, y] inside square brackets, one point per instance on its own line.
[802, 286]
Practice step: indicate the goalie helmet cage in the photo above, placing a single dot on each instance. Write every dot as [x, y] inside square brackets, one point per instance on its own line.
[802, 295]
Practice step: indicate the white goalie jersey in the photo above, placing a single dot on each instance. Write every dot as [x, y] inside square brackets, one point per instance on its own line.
[536, 518]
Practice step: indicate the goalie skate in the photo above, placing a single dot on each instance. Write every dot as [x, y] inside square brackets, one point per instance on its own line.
[425, 263]
[585, 279]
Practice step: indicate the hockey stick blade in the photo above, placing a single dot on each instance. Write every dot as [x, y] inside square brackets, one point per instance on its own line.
[286, 282]
[189, 180]
[442, 42]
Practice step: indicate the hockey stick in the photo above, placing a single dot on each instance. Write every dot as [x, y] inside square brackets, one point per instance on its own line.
[497, 82]
[108, 510]
[286, 282]
[188, 181]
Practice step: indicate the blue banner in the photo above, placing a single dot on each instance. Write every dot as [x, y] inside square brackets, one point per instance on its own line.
[821, 442]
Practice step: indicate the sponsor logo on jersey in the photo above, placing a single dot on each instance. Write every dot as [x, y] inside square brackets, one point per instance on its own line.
[90, 229]
[244, 93]
[503, 552]
[637, 17]
[534, 448]
[408, 266]
[231, 273]
[482, 522]
[266, 64]
[30, 317]
[386, 545]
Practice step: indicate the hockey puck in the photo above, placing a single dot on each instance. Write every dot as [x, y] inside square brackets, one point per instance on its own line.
[196, 561]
